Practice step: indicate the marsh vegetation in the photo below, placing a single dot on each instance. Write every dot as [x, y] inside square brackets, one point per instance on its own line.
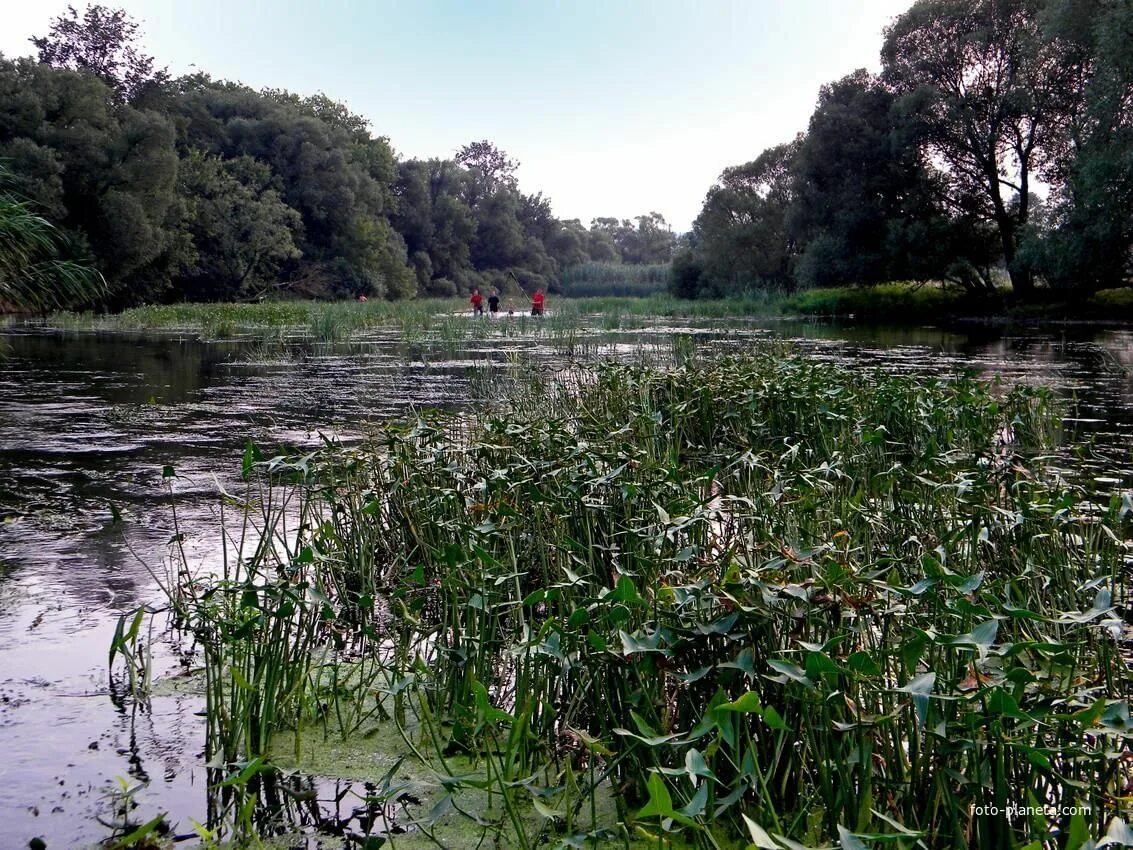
[758, 600]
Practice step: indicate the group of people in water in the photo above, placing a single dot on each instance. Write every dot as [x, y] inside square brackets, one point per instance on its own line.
[477, 301]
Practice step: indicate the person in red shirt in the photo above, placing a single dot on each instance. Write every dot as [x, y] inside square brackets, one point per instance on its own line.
[537, 303]
[477, 303]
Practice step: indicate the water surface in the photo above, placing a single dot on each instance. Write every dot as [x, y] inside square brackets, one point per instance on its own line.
[90, 422]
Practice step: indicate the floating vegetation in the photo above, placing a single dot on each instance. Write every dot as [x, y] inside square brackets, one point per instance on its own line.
[762, 600]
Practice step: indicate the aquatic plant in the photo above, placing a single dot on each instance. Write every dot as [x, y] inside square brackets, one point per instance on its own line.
[760, 599]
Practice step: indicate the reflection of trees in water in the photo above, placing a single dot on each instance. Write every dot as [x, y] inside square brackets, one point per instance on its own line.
[286, 803]
[121, 369]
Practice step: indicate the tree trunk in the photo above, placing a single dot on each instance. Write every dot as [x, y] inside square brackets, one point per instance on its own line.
[1021, 281]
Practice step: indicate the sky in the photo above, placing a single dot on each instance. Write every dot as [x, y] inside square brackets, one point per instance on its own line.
[612, 107]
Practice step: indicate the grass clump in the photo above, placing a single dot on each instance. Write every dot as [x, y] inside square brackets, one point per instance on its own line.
[892, 302]
[1113, 302]
[765, 600]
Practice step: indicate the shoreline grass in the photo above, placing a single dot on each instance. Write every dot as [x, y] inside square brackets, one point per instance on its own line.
[893, 304]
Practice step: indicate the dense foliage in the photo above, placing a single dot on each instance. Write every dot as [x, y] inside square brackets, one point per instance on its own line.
[762, 599]
[34, 271]
[195, 188]
[929, 171]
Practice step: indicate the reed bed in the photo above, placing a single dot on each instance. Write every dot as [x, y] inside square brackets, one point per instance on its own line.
[616, 279]
[762, 601]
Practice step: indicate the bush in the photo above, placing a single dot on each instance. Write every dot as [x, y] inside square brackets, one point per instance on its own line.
[684, 281]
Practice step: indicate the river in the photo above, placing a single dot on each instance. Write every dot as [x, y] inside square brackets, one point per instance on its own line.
[89, 423]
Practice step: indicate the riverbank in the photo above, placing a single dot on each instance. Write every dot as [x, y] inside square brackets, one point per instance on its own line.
[892, 304]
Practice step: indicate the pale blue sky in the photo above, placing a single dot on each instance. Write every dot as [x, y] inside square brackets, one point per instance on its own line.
[612, 108]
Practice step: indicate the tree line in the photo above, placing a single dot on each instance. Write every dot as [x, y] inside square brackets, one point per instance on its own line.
[929, 170]
[193, 188]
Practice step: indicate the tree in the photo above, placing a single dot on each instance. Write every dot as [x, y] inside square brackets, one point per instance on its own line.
[986, 93]
[742, 235]
[436, 224]
[600, 246]
[242, 232]
[105, 172]
[568, 243]
[866, 208]
[652, 241]
[101, 43]
[612, 232]
[1087, 240]
[325, 165]
[494, 165]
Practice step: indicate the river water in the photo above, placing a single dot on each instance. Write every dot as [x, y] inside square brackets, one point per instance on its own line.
[89, 423]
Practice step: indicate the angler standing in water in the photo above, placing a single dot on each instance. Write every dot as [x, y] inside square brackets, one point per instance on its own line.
[537, 303]
[494, 302]
[477, 301]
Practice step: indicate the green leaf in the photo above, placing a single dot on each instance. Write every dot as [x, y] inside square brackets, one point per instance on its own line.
[591, 743]
[848, 841]
[982, 637]
[759, 836]
[1118, 833]
[695, 807]
[241, 777]
[921, 687]
[863, 663]
[773, 719]
[138, 834]
[650, 643]
[625, 591]
[744, 661]
[485, 711]
[747, 704]
[791, 671]
[696, 767]
[251, 457]
[545, 811]
[240, 681]
[648, 740]
[660, 804]
[1078, 832]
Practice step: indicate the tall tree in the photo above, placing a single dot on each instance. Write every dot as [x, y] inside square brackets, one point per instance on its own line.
[242, 232]
[101, 42]
[742, 235]
[1087, 242]
[653, 240]
[496, 167]
[105, 172]
[987, 94]
[863, 193]
[325, 165]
